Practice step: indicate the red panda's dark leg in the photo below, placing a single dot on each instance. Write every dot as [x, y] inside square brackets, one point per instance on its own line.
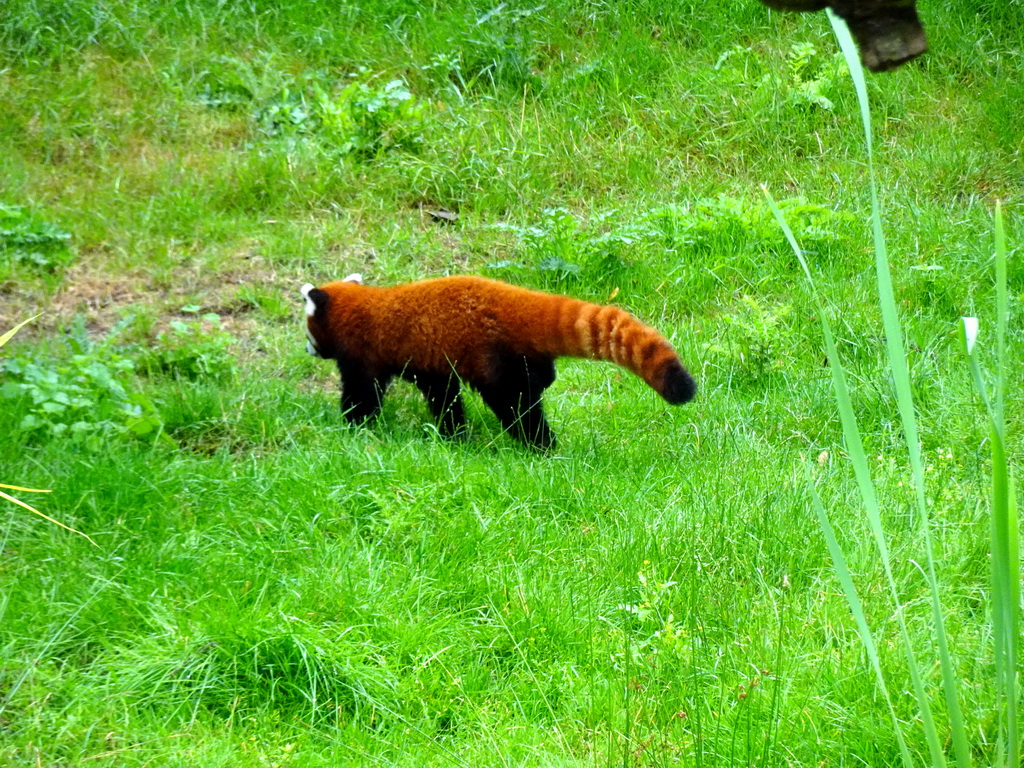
[515, 397]
[361, 394]
[442, 393]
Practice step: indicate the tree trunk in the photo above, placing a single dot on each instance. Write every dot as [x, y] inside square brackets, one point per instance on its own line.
[887, 32]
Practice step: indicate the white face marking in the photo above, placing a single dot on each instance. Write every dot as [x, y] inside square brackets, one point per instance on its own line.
[310, 306]
[355, 277]
[311, 344]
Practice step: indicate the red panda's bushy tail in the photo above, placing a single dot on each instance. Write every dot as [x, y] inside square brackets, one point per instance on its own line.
[609, 333]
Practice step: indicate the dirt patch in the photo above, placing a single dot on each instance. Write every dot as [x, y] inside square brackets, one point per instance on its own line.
[98, 297]
[101, 298]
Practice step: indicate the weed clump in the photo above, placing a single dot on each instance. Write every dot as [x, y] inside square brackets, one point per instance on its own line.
[191, 350]
[366, 119]
[360, 116]
[85, 398]
[758, 339]
[28, 240]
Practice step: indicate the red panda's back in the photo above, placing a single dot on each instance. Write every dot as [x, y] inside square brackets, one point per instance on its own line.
[434, 325]
[459, 316]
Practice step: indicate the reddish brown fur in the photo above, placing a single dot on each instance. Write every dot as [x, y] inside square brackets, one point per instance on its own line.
[456, 323]
[474, 327]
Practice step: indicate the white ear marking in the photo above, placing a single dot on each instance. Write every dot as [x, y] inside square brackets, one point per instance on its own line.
[355, 277]
[310, 306]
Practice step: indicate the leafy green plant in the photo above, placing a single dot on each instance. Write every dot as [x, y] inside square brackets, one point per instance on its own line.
[288, 113]
[191, 349]
[756, 336]
[555, 243]
[811, 83]
[359, 116]
[28, 239]
[727, 234]
[554, 246]
[366, 118]
[561, 249]
[362, 117]
[807, 81]
[83, 398]
[231, 84]
[13, 499]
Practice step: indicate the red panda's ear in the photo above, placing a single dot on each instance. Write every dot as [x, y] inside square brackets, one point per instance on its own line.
[316, 300]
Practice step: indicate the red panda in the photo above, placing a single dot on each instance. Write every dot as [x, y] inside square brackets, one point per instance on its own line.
[500, 339]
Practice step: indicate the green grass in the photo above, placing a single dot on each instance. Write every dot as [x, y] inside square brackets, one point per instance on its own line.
[273, 587]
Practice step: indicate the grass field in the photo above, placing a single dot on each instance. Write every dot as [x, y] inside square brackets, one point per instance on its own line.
[269, 586]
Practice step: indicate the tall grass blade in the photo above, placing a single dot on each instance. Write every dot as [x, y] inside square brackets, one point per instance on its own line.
[855, 449]
[1005, 563]
[899, 370]
[1002, 313]
[1004, 530]
[35, 511]
[1006, 536]
[10, 334]
[857, 609]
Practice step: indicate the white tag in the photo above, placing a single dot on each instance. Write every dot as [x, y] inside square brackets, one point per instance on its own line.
[970, 332]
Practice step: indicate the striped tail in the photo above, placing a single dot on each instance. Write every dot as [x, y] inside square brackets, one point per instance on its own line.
[609, 333]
